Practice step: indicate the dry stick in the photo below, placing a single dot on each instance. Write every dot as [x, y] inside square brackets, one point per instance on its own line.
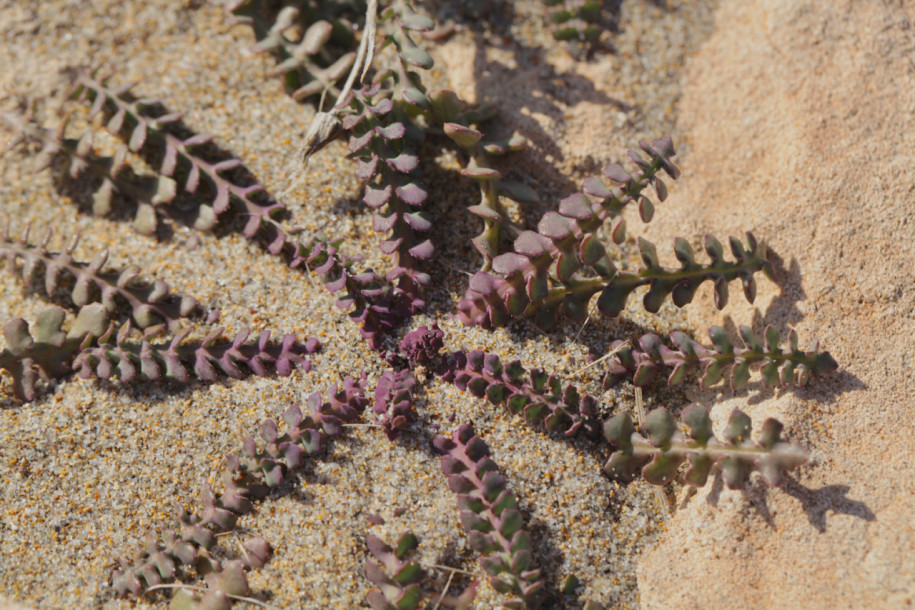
[585, 323]
[364, 56]
[240, 598]
[325, 126]
[449, 568]
[444, 592]
[639, 406]
[467, 273]
[609, 354]
[452, 571]
[243, 550]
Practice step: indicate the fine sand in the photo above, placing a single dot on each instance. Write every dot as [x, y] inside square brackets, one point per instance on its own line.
[792, 119]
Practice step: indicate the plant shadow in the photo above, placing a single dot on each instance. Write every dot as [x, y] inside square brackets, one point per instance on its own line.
[816, 503]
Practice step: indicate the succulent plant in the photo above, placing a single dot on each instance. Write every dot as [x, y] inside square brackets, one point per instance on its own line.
[559, 268]
[225, 585]
[374, 305]
[456, 118]
[659, 456]
[116, 355]
[378, 141]
[490, 515]
[97, 351]
[536, 395]
[383, 137]
[398, 582]
[555, 269]
[421, 347]
[526, 289]
[393, 406]
[778, 366]
[377, 306]
[45, 351]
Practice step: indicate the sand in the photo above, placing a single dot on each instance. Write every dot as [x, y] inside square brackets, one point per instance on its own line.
[781, 129]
